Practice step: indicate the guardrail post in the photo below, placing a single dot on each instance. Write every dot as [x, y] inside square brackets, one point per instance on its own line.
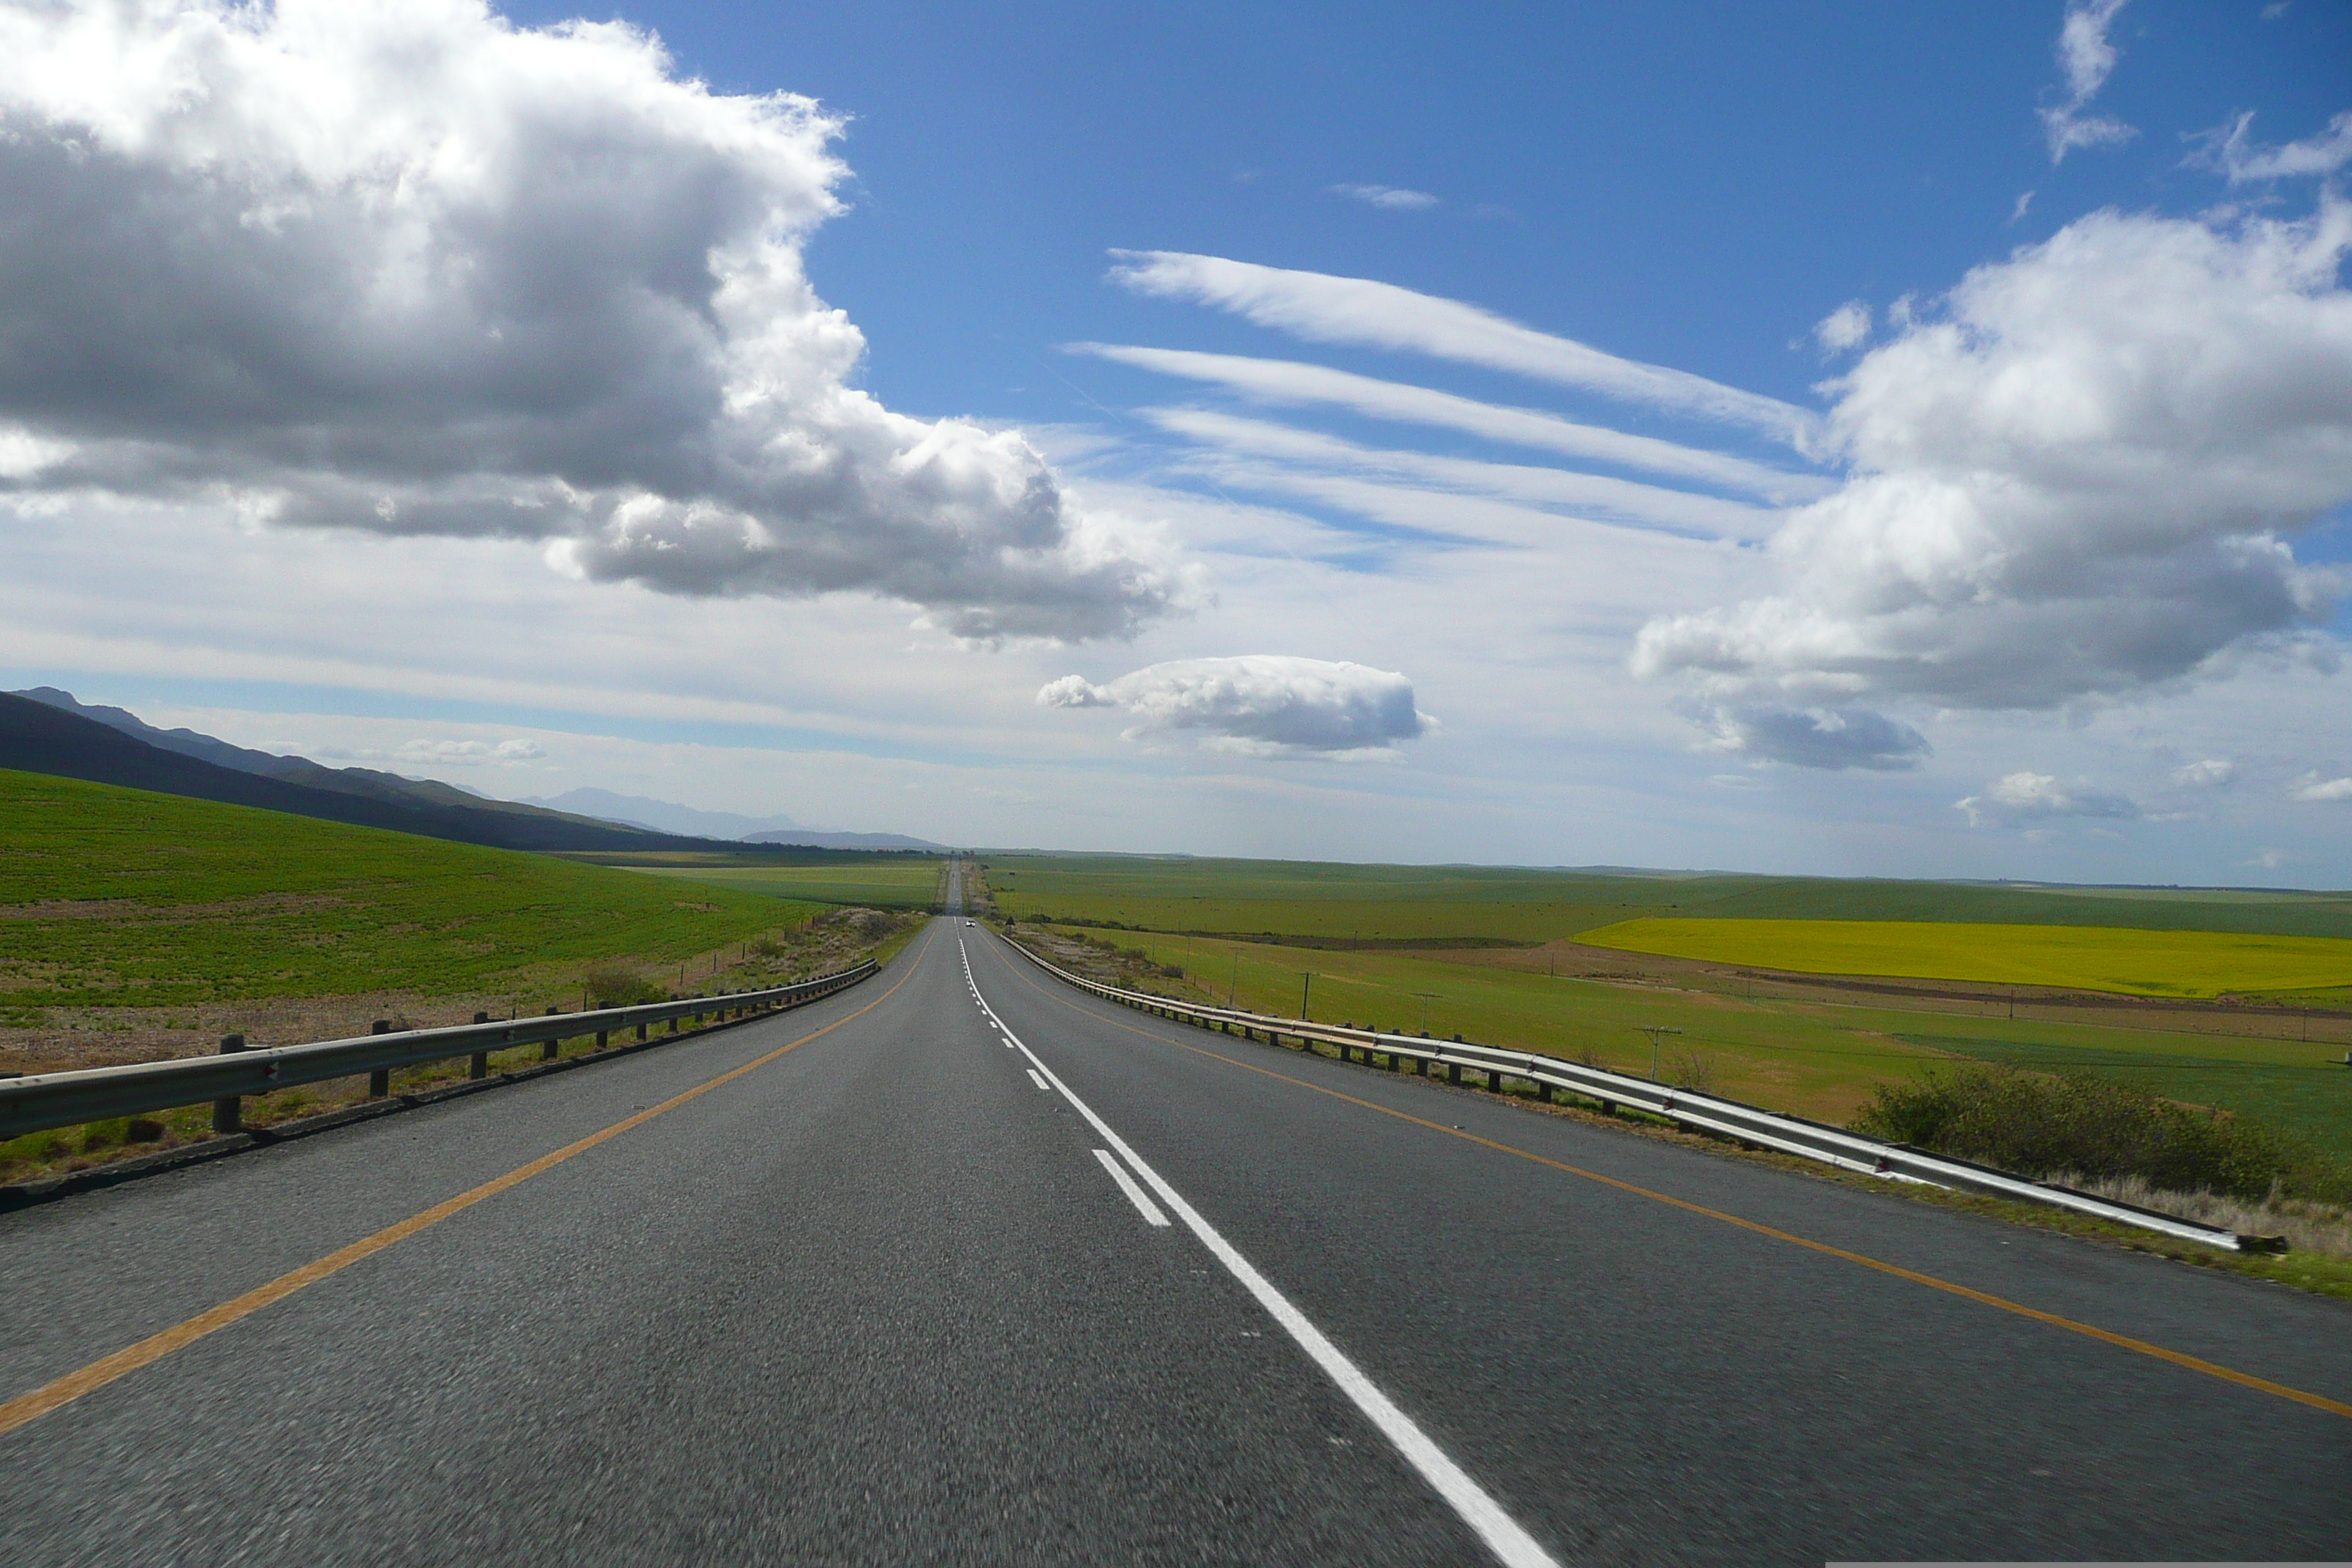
[1453, 1074]
[1544, 1091]
[380, 1080]
[547, 1050]
[478, 1064]
[228, 1113]
[602, 1035]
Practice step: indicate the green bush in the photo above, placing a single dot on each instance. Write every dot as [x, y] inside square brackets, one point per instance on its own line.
[2041, 1127]
[613, 986]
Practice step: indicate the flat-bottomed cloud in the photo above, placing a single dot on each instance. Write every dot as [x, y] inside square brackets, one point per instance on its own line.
[2081, 481]
[402, 267]
[1269, 705]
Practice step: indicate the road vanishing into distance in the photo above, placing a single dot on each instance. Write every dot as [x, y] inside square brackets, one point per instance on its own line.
[963, 1266]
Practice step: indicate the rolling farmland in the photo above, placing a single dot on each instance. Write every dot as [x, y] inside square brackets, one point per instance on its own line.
[888, 880]
[2094, 957]
[1517, 957]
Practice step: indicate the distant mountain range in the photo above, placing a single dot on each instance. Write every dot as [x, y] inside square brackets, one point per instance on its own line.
[668, 816]
[660, 816]
[814, 840]
[46, 731]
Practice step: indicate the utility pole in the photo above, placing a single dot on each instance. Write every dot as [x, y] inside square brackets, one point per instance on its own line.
[1233, 986]
[1654, 1031]
[1303, 990]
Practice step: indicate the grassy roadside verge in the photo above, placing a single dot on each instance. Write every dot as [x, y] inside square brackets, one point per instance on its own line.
[1819, 1054]
[62, 1152]
[137, 926]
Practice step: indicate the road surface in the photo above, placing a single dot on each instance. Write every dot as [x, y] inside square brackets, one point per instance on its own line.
[897, 1294]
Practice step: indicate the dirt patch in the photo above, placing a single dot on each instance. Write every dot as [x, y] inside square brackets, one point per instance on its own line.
[1102, 960]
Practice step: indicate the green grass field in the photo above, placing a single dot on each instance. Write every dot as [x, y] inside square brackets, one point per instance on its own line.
[1508, 904]
[2200, 963]
[118, 897]
[882, 882]
[1819, 1058]
[1818, 1055]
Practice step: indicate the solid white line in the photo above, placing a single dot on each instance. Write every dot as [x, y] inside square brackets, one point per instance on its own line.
[1135, 1195]
[1501, 1533]
[1041, 1082]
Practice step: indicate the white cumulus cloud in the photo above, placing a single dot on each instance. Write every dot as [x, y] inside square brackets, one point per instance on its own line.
[2088, 57]
[2317, 789]
[399, 266]
[2078, 478]
[1270, 705]
[2023, 797]
[1843, 329]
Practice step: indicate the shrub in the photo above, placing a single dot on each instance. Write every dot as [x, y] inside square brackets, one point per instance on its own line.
[141, 1130]
[2087, 1126]
[1691, 1070]
[614, 987]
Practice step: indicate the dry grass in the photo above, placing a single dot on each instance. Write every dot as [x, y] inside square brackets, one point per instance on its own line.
[2307, 1224]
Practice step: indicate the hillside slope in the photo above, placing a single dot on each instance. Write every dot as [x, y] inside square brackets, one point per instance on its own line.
[37, 738]
[372, 784]
[114, 896]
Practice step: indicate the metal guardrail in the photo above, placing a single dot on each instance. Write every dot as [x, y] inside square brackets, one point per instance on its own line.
[1703, 1113]
[45, 1100]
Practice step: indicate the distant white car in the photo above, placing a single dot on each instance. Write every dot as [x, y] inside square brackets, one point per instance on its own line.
[971, 922]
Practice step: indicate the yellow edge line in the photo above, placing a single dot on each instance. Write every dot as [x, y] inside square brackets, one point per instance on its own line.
[2106, 1336]
[31, 1406]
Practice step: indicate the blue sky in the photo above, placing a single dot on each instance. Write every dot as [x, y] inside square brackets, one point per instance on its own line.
[1363, 432]
[1690, 183]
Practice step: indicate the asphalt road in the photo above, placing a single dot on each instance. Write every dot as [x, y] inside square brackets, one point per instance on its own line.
[879, 1300]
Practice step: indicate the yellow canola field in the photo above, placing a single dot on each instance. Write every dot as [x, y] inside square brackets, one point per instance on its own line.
[2091, 958]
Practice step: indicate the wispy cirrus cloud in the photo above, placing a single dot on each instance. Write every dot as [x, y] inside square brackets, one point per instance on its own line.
[2231, 150]
[1391, 197]
[1289, 383]
[2211, 773]
[1596, 497]
[2087, 57]
[1323, 308]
